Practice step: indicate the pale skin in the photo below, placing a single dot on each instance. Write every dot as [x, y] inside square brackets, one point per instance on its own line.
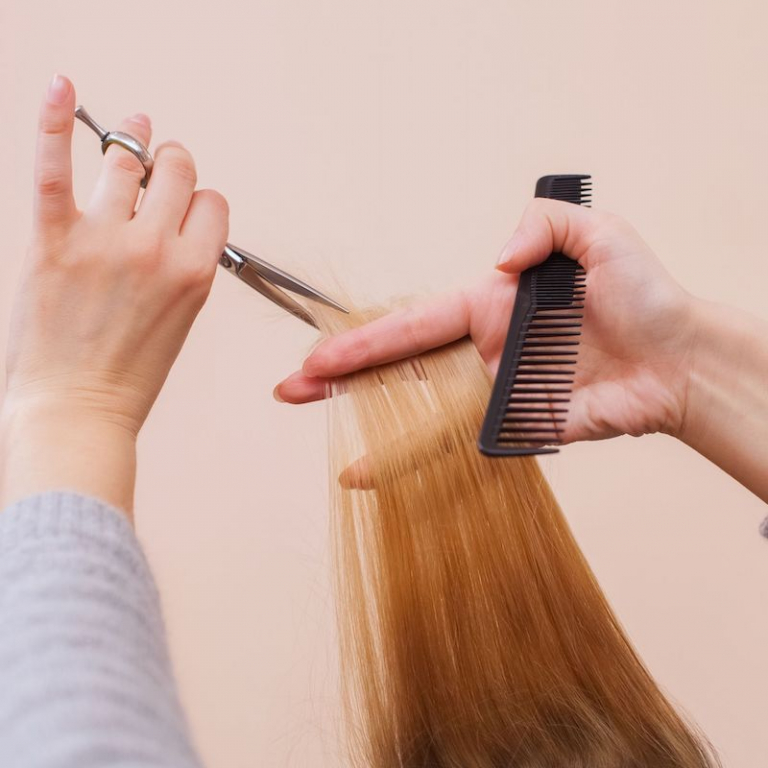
[653, 358]
[109, 293]
[107, 296]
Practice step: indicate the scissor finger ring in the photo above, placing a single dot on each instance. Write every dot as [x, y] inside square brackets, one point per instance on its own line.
[124, 140]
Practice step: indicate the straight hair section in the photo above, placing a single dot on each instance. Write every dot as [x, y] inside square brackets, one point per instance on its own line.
[473, 632]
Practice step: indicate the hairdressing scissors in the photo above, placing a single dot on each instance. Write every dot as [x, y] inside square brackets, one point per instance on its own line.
[262, 276]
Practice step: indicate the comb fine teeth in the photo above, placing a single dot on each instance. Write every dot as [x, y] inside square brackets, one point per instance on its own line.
[574, 188]
[526, 412]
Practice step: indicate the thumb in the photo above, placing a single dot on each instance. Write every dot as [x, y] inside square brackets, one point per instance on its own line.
[54, 201]
[548, 226]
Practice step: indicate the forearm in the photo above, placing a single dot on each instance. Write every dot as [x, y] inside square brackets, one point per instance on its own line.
[726, 416]
[86, 676]
[48, 446]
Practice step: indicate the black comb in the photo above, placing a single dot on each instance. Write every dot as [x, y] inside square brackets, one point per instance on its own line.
[532, 390]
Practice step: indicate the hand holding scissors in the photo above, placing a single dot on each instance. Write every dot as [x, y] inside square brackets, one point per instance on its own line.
[259, 274]
[107, 297]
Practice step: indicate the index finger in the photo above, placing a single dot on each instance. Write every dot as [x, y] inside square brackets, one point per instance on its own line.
[54, 200]
[401, 334]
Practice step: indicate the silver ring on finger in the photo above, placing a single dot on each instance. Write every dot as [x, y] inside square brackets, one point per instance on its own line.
[124, 140]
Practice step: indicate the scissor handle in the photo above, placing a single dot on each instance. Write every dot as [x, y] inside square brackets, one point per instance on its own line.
[124, 140]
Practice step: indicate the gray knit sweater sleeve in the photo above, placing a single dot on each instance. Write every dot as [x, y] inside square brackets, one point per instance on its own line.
[85, 677]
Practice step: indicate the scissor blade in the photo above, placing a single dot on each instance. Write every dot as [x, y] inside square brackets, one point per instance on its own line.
[239, 267]
[249, 275]
[277, 276]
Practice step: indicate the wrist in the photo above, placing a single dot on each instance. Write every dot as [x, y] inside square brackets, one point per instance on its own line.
[691, 353]
[674, 366]
[93, 398]
[48, 444]
[726, 405]
[707, 372]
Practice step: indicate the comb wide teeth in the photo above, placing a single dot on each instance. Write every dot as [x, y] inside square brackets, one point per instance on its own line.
[545, 355]
[545, 338]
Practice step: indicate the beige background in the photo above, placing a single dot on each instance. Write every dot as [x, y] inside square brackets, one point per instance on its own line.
[396, 144]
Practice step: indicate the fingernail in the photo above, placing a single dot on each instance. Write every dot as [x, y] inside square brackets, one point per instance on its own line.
[276, 394]
[508, 251]
[141, 118]
[58, 90]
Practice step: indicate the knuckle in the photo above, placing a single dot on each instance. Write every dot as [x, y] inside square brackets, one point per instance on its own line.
[217, 202]
[611, 222]
[123, 161]
[194, 279]
[50, 183]
[606, 217]
[539, 206]
[357, 350]
[415, 325]
[214, 208]
[145, 264]
[54, 124]
[148, 252]
[152, 243]
[139, 125]
[179, 163]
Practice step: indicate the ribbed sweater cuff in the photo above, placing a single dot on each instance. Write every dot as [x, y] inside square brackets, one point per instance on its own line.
[86, 679]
